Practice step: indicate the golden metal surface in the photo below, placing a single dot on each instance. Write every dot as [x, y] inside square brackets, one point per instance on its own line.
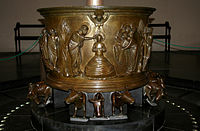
[154, 90]
[98, 104]
[37, 91]
[79, 100]
[94, 2]
[119, 99]
[93, 86]
[96, 49]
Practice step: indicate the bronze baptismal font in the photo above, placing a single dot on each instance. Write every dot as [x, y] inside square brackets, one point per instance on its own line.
[94, 62]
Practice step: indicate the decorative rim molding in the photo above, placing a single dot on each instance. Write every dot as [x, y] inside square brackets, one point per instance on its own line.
[88, 9]
[92, 86]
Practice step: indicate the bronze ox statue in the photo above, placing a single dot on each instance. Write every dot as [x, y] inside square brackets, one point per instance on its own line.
[119, 99]
[39, 92]
[79, 100]
[98, 103]
[154, 89]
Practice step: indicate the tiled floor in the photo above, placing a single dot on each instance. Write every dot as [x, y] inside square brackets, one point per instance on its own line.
[184, 66]
[10, 70]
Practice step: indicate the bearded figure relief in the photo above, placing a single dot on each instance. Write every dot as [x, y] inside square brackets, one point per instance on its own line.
[76, 42]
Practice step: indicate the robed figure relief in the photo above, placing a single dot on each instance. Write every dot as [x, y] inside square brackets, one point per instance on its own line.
[76, 42]
[49, 45]
[63, 65]
[44, 48]
[125, 49]
[53, 46]
[99, 66]
[44, 59]
[139, 38]
[147, 46]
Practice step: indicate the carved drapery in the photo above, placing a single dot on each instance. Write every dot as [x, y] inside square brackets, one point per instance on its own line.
[96, 44]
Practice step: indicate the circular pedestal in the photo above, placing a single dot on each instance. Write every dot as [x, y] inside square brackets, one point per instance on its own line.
[139, 118]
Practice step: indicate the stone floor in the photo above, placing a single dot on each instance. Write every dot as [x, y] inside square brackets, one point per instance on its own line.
[181, 70]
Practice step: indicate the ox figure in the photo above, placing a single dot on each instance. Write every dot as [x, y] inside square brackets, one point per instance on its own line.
[39, 93]
[79, 100]
[98, 103]
[119, 99]
[154, 89]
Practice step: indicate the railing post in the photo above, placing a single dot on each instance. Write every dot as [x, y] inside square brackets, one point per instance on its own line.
[18, 35]
[15, 29]
[166, 32]
[169, 39]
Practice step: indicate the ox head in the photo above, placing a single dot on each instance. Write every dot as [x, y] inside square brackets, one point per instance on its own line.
[72, 97]
[126, 96]
[98, 96]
